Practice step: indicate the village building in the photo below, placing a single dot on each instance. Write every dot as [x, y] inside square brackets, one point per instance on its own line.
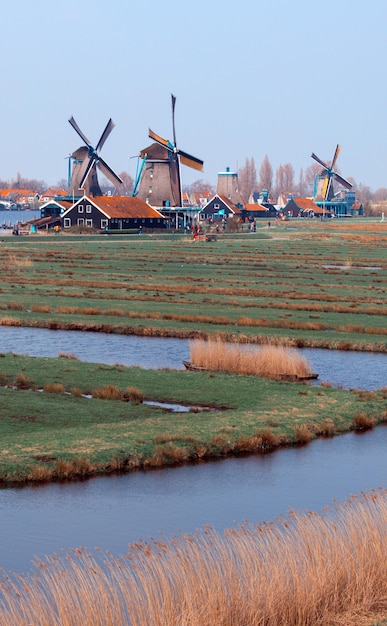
[113, 213]
[250, 212]
[219, 208]
[302, 207]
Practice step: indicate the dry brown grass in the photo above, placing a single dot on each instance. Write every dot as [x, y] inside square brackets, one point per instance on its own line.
[40, 308]
[363, 422]
[268, 361]
[132, 394]
[23, 382]
[108, 392]
[54, 388]
[68, 355]
[304, 569]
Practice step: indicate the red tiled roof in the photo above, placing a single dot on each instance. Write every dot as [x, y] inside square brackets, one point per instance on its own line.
[305, 204]
[125, 206]
[230, 204]
[255, 207]
[52, 192]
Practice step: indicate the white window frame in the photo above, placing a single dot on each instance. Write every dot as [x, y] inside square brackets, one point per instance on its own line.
[88, 208]
[66, 222]
[80, 208]
[104, 223]
[88, 223]
[80, 221]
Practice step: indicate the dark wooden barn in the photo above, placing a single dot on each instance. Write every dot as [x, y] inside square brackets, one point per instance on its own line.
[219, 208]
[113, 213]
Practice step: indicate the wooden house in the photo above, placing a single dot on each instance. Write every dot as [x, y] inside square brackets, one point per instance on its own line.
[219, 208]
[55, 207]
[251, 212]
[112, 213]
[302, 207]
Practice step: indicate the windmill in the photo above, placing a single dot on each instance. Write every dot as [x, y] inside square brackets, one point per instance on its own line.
[158, 181]
[86, 160]
[324, 187]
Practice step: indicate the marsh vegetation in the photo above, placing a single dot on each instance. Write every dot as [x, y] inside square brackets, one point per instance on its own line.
[305, 569]
[268, 361]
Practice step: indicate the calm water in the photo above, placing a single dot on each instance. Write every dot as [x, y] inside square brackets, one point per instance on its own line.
[110, 512]
[360, 370]
[10, 218]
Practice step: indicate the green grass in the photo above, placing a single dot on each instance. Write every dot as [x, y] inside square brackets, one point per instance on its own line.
[243, 286]
[39, 430]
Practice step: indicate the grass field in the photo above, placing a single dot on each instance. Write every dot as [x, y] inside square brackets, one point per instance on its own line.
[299, 283]
[302, 283]
[49, 430]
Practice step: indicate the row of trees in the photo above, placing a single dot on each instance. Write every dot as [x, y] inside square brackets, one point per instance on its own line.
[283, 181]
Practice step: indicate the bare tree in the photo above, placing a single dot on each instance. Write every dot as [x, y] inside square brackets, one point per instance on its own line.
[126, 189]
[310, 174]
[265, 174]
[380, 195]
[199, 186]
[289, 178]
[301, 183]
[27, 183]
[247, 179]
[279, 181]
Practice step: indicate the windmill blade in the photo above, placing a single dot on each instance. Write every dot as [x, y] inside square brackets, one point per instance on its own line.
[89, 165]
[173, 119]
[81, 160]
[342, 181]
[108, 172]
[327, 187]
[190, 161]
[174, 173]
[319, 161]
[78, 130]
[105, 134]
[337, 152]
[164, 142]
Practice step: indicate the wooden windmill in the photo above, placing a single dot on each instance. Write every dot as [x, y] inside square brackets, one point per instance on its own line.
[324, 182]
[159, 181]
[86, 160]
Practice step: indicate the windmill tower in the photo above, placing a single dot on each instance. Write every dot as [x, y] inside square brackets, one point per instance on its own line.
[86, 160]
[227, 186]
[323, 188]
[159, 180]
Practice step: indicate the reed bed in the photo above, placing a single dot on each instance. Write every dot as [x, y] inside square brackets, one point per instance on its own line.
[304, 569]
[269, 361]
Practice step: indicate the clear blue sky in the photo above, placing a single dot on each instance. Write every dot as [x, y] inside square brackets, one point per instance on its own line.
[251, 78]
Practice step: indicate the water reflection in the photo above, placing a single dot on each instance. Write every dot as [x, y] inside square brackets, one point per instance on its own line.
[360, 370]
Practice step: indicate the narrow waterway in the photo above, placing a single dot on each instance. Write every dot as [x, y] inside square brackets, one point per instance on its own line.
[111, 512]
[357, 370]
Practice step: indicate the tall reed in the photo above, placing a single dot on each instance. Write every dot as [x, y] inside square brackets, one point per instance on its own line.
[305, 569]
[269, 361]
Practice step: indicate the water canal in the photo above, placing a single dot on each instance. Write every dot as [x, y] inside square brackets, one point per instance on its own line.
[110, 512]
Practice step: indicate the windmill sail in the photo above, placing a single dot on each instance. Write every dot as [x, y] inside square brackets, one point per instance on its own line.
[324, 189]
[86, 161]
[160, 181]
